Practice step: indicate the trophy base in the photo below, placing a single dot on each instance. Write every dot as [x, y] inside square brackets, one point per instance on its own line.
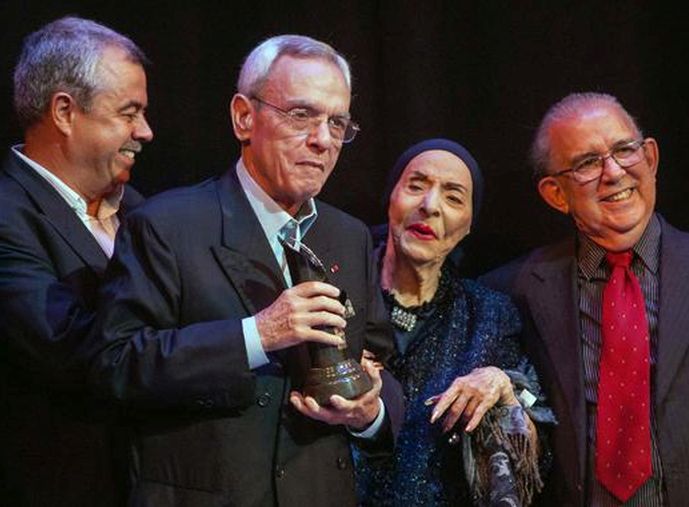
[347, 379]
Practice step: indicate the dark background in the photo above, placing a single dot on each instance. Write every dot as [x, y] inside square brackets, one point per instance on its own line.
[482, 73]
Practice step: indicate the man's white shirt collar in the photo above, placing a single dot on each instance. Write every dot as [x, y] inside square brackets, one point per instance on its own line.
[108, 207]
[270, 215]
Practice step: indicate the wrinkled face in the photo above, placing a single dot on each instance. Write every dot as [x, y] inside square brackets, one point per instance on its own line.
[615, 209]
[106, 139]
[293, 166]
[430, 207]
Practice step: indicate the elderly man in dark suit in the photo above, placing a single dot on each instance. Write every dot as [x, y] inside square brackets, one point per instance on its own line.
[204, 328]
[606, 312]
[80, 92]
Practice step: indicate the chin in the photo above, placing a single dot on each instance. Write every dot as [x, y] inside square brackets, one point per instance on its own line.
[418, 255]
[304, 194]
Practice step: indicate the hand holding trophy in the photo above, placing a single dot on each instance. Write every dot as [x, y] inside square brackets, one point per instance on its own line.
[331, 371]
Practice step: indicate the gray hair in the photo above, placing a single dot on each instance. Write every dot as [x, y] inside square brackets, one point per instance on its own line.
[258, 64]
[63, 56]
[570, 107]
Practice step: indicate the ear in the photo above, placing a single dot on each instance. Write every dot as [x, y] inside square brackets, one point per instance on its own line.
[62, 111]
[552, 193]
[242, 114]
[652, 154]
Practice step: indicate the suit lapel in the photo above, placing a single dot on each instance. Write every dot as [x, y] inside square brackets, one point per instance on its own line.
[58, 213]
[130, 200]
[673, 318]
[551, 296]
[245, 255]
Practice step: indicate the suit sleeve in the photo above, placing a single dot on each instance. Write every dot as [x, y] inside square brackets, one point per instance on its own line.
[146, 357]
[43, 317]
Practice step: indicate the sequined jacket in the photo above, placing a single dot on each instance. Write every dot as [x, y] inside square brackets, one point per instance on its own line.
[478, 327]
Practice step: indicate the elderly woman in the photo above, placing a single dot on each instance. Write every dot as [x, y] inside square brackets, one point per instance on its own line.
[472, 399]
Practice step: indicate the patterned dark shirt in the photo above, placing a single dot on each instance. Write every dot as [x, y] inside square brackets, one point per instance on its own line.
[593, 273]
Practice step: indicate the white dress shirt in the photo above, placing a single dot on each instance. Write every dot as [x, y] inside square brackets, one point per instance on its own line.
[102, 227]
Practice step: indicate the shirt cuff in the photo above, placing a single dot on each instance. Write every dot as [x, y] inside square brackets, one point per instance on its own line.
[372, 430]
[254, 350]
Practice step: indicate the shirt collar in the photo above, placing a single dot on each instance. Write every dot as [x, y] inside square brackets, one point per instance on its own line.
[590, 255]
[108, 207]
[270, 215]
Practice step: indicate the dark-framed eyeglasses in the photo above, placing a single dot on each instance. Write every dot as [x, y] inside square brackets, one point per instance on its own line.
[590, 168]
[304, 120]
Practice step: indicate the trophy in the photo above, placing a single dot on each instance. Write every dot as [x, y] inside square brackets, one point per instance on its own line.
[331, 371]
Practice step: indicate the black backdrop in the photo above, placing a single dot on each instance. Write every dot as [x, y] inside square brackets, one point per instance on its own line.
[482, 73]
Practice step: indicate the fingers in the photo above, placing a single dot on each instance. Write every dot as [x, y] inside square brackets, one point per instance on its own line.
[369, 362]
[455, 409]
[311, 318]
[373, 369]
[477, 416]
[302, 313]
[469, 398]
[356, 413]
[309, 407]
[446, 399]
[311, 289]
[306, 405]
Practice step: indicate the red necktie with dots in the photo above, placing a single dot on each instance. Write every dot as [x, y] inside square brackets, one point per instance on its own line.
[623, 432]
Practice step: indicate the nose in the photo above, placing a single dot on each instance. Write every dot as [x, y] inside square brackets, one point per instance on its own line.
[431, 202]
[320, 136]
[142, 130]
[612, 171]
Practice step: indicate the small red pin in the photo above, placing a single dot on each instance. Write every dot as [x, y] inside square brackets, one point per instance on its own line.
[334, 268]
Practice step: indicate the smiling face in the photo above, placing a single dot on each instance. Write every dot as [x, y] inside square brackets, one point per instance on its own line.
[291, 166]
[430, 207]
[105, 139]
[614, 210]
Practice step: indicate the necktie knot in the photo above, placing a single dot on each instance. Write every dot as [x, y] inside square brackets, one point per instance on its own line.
[619, 259]
[288, 232]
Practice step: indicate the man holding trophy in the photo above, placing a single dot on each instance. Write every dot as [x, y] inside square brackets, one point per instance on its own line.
[237, 310]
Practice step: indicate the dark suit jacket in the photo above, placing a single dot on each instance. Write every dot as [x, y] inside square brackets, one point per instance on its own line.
[210, 431]
[56, 442]
[544, 286]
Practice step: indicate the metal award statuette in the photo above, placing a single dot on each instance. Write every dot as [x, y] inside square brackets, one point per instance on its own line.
[331, 371]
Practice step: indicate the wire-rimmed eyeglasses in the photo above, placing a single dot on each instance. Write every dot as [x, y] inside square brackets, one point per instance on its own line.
[590, 168]
[305, 120]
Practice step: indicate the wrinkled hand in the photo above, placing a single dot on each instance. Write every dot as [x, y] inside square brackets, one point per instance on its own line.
[295, 316]
[357, 413]
[471, 396]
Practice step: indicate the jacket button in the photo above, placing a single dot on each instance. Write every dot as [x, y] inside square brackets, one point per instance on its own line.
[205, 403]
[280, 472]
[341, 463]
[263, 400]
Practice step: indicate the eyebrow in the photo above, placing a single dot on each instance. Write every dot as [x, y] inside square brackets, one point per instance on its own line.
[302, 104]
[456, 186]
[131, 104]
[614, 145]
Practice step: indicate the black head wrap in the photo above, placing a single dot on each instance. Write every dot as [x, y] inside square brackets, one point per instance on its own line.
[444, 145]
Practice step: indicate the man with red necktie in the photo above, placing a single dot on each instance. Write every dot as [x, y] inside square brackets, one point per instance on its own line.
[606, 311]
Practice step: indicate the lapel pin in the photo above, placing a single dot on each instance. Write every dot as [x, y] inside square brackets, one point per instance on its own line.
[335, 268]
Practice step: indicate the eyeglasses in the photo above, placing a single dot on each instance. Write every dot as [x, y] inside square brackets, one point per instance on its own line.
[591, 168]
[304, 120]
